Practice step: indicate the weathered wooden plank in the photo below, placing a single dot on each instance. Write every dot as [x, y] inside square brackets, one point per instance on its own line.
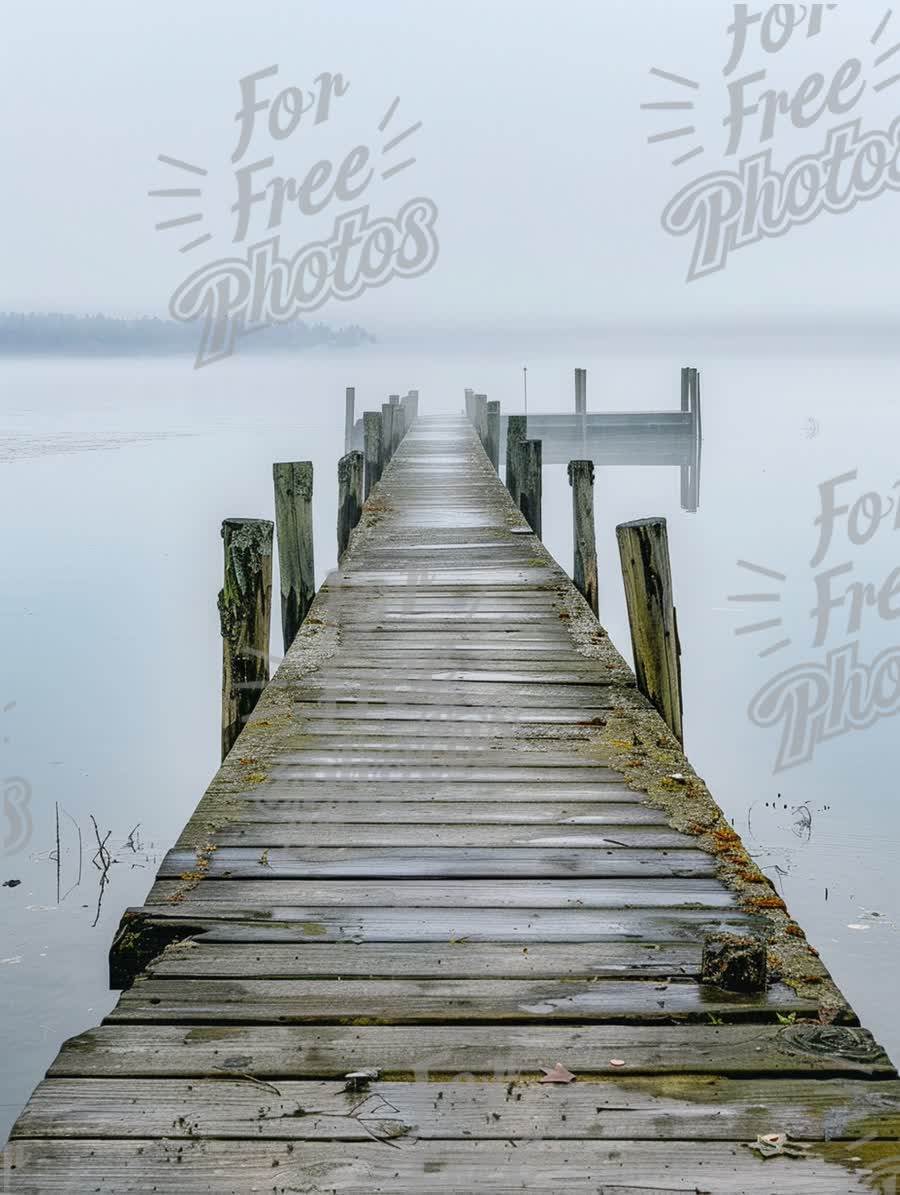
[299, 1051]
[561, 674]
[441, 1001]
[567, 765]
[439, 862]
[453, 712]
[304, 795]
[262, 835]
[527, 770]
[670, 1108]
[578, 697]
[525, 926]
[199, 960]
[482, 894]
[172, 1167]
[280, 806]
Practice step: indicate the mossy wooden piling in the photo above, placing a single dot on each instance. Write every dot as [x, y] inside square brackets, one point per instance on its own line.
[373, 439]
[350, 497]
[245, 614]
[647, 573]
[530, 483]
[584, 573]
[516, 432]
[492, 445]
[294, 526]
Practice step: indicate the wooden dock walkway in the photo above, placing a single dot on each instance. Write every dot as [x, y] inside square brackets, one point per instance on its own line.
[453, 848]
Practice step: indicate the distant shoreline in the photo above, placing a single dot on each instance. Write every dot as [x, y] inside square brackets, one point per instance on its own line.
[39, 334]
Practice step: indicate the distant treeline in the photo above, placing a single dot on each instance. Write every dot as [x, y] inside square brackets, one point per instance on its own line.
[103, 335]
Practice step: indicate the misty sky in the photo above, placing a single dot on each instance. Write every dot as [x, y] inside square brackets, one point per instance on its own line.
[533, 147]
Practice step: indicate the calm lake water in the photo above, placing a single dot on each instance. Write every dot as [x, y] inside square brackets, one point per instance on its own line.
[116, 476]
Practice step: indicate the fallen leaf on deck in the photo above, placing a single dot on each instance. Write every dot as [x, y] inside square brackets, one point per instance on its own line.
[617, 1062]
[771, 1145]
[558, 1074]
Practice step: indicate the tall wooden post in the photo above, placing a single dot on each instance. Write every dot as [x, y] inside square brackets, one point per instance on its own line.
[414, 402]
[245, 615]
[516, 431]
[293, 521]
[398, 424]
[372, 448]
[580, 391]
[685, 389]
[581, 479]
[492, 447]
[387, 434]
[350, 497]
[644, 552]
[349, 415]
[480, 408]
[529, 466]
[470, 394]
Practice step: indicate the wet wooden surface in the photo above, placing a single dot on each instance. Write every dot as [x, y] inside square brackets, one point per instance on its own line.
[424, 871]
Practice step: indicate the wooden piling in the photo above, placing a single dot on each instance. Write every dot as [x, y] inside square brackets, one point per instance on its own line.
[349, 416]
[350, 497]
[398, 424]
[516, 431]
[372, 449]
[469, 397]
[387, 434]
[479, 410]
[644, 552]
[245, 615]
[580, 391]
[529, 477]
[581, 479]
[492, 447]
[293, 521]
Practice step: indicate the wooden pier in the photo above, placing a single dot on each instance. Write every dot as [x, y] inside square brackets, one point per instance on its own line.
[453, 848]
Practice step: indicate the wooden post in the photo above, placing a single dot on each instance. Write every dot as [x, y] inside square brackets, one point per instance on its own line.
[580, 391]
[581, 479]
[398, 424]
[372, 448]
[480, 408]
[349, 412]
[293, 521]
[470, 394]
[393, 399]
[529, 477]
[685, 390]
[350, 497]
[492, 447]
[516, 431]
[245, 615]
[644, 552]
[387, 434]
[414, 401]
